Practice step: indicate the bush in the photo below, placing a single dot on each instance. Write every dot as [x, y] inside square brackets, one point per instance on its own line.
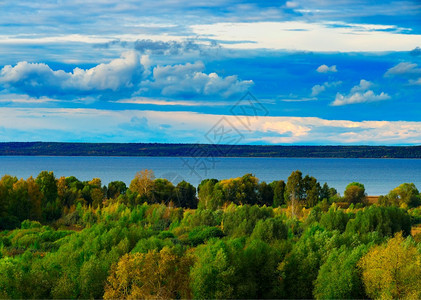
[334, 219]
[203, 233]
[385, 220]
[27, 224]
[270, 230]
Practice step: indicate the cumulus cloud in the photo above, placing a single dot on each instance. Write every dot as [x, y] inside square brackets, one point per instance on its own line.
[317, 89]
[128, 75]
[38, 79]
[360, 94]
[363, 86]
[189, 81]
[326, 69]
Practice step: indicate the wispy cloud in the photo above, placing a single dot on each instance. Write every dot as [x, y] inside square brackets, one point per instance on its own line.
[157, 126]
[317, 89]
[408, 70]
[161, 102]
[403, 68]
[300, 35]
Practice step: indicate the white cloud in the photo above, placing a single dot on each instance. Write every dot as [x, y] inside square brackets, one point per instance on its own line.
[309, 36]
[317, 89]
[189, 80]
[291, 4]
[363, 86]
[161, 102]
[327, 69]
[122, 77]
[409, 70]
[368, 96]
[403, 68]
[19, 98]
[360, 94]
[39, 79]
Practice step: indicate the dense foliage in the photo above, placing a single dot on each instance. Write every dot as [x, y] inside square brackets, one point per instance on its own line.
[234, 238]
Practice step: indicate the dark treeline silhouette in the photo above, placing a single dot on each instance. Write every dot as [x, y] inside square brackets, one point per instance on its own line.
[184, 150]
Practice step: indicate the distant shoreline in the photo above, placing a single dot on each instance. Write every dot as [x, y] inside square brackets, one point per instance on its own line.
[204, 150]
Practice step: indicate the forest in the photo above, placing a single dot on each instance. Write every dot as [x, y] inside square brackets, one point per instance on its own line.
[235, 238]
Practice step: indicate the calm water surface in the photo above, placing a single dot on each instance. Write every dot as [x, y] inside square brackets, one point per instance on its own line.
[378, 175]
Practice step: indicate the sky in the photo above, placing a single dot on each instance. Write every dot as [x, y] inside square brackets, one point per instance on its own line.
[315, 72]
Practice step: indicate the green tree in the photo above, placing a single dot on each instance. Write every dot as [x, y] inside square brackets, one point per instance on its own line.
[48, 185]
[312, 191]
[270, 230]
[278, 187]
[265, 194]
[20, 204]
[339, 277]
[299, 269]
[97, 196]
[206, 193]
[7, 220]
[93, 276]
[294, 190]
[334, 219]
[406, 195]
[163, 191]
[259, 274]
[240, 221]
[385, 220]
[186, 195]
[115, 189]
[355, 193]
[325, 192]
[241, 190]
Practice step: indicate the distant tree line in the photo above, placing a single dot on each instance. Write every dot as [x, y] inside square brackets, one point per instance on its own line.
[183, 150]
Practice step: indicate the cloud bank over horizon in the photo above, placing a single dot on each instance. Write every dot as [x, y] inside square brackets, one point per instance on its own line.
[95, 125]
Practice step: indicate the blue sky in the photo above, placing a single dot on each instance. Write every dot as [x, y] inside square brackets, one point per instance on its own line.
[318, 71]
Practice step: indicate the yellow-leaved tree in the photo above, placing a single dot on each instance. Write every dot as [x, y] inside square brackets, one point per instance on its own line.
[152, 275]
[392, 270]
[142, 182]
